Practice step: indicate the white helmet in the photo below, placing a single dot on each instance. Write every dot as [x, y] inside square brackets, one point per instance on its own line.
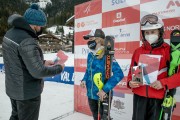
[151, 21]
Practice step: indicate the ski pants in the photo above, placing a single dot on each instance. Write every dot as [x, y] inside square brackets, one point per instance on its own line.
[93, 104]
[146, 108]
[25, 109]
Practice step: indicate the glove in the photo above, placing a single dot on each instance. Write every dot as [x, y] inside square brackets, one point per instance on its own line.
[102, 95]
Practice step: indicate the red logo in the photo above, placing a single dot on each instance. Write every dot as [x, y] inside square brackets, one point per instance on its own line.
[78, 25]
[121, 16]
[173, 3]
[82, 24]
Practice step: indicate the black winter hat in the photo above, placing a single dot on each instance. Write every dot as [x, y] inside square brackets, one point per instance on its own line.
[95, 33]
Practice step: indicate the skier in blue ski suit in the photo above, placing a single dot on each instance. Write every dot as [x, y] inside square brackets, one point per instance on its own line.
[96, 64]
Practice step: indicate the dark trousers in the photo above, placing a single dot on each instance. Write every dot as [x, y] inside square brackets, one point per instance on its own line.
[93, 104]
[25, 109]
[146, 108]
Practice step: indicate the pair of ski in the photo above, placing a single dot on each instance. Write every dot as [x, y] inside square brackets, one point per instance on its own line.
[169, 102]
[106, 103]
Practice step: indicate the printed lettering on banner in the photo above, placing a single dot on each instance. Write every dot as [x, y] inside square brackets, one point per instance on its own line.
[81, 51]
[122, 16]
[163, 8]
[110, 5]
[88, 23]
[88, 9]
[170, 25]
[124, 33]
[125, 48]
[119, 18]
[120, 107]
[122, 84]
[80, 65]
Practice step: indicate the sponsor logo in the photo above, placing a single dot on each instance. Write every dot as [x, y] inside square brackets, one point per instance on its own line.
[122, 34]
[173, 3]
[87, 23]
[170, 8]
[78, 25]
[82, 65]
[81, 24]
[172, 27]
[117, 2]
[88, 9]
[164, 12]
[108, 66]
[85, 51]
[119, 18]
[122, 51]
[125, 67]
[118, 15]
[118, 104]
[122, 83]
[65, 76]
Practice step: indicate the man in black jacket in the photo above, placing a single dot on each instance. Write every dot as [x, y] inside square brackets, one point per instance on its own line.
[24, 63]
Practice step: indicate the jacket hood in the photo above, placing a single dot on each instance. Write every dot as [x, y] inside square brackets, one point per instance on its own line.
[19, 22]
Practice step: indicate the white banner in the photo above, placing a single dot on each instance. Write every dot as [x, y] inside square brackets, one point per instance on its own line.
[162, 8]
[88, 23]
[124, 33]
[109, 5]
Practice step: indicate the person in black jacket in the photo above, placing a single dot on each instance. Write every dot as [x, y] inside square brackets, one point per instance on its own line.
[25, 66]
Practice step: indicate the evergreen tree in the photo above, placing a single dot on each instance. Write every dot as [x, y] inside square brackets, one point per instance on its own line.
[7, 8]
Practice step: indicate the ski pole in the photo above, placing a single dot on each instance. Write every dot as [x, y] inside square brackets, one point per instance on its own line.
[167, 90]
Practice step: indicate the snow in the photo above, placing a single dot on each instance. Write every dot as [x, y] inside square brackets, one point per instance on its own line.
[67, 29]
[51, 29]
[43, 3]
[57, 102]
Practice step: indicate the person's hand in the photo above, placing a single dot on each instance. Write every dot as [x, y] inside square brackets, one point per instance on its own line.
[156, 85]
[83, 84]
[49, 63]
[102, 95]
[134, 84]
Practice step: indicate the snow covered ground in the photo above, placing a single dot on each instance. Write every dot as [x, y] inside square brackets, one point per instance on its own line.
[57, 102]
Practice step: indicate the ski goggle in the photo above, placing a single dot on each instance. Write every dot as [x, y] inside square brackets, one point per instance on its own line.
[152, 19]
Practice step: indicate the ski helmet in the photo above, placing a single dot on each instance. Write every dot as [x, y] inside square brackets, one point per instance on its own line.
[151, 21]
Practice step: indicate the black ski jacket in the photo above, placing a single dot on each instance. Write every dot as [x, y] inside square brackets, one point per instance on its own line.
[24, 62]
